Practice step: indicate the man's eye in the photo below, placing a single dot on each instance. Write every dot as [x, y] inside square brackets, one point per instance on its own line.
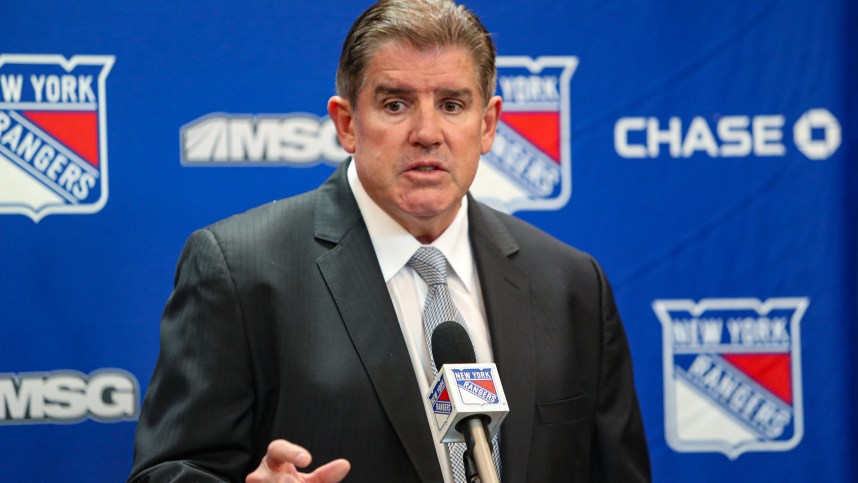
[451, 106]
[394, 106]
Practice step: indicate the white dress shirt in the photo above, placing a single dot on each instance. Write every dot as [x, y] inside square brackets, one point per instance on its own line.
[394, 246]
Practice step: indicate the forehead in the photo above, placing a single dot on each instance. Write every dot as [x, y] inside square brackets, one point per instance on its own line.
[402, 65]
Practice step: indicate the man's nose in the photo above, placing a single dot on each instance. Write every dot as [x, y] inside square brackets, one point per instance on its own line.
[426, 128]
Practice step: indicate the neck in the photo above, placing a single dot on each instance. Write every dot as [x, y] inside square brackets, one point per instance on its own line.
[425, 230]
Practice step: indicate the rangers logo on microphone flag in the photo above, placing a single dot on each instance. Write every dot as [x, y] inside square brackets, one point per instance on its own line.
[529, 166]
[732, 374]
[440, 400]
[476, 386]
[53, 134]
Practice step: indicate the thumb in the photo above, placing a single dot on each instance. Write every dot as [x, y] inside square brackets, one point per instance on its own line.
[332, 472]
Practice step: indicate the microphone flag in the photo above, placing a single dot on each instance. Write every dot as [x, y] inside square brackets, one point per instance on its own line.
[463, 390]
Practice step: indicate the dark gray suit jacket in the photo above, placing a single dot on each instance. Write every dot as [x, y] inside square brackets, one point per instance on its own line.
[281, 326]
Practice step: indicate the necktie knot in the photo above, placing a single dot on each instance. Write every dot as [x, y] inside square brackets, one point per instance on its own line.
[430, 264]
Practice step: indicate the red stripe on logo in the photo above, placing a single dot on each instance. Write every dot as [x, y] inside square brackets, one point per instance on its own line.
[78, 131]
[772, 371]
[540, 128]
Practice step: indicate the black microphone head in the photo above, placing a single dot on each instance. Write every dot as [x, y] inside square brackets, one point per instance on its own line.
[451, 345]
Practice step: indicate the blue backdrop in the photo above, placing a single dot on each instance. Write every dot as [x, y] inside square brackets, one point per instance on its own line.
[704, 152]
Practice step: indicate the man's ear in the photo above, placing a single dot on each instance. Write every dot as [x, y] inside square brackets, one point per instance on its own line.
[342, 114]
[490, 124]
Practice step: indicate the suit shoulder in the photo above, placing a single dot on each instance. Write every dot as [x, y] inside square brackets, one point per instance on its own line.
[538, 252]
[292, 212]
[260, 231]
[532, 239]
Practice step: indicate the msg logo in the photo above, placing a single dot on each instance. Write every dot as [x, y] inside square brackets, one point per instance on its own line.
[106, 395]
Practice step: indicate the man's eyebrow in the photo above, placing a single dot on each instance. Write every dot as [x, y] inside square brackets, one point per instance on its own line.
[383, 90]
[465, 94]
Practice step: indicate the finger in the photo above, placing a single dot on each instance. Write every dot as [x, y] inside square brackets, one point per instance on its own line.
[332, 472]
[282, 455]
[263, 475]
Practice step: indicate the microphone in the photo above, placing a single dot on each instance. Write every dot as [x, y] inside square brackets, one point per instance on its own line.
[467, 398]
[451, 345]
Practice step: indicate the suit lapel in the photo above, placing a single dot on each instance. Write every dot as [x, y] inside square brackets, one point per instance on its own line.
[506, 294]
[354, 278]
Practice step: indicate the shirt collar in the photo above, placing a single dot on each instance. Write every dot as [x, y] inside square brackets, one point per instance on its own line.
[394, 246]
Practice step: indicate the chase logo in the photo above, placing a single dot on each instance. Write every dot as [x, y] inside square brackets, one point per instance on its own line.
[732, 374]
[440, 401]
[53, 134]
[529, 166]
[816, 134]
[476, 386]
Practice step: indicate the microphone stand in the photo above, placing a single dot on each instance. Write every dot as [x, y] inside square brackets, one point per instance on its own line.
[471, 473]
[479, 452]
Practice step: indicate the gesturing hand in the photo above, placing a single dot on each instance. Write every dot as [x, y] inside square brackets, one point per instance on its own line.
[280, 464]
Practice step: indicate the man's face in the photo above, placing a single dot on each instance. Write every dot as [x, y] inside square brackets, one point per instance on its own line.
[417, 133]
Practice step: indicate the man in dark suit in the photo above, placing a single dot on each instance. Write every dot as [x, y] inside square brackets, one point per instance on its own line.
[288, 324]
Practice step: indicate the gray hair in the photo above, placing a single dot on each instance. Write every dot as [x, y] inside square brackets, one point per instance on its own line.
[423, 24]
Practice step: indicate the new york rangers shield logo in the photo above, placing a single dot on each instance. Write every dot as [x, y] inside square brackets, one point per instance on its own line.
[439, 398]
[476, 386]
[53, 134]
[529, 166]
[732, 374]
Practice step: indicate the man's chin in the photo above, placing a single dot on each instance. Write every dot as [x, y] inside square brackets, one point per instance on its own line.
[429, 209]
